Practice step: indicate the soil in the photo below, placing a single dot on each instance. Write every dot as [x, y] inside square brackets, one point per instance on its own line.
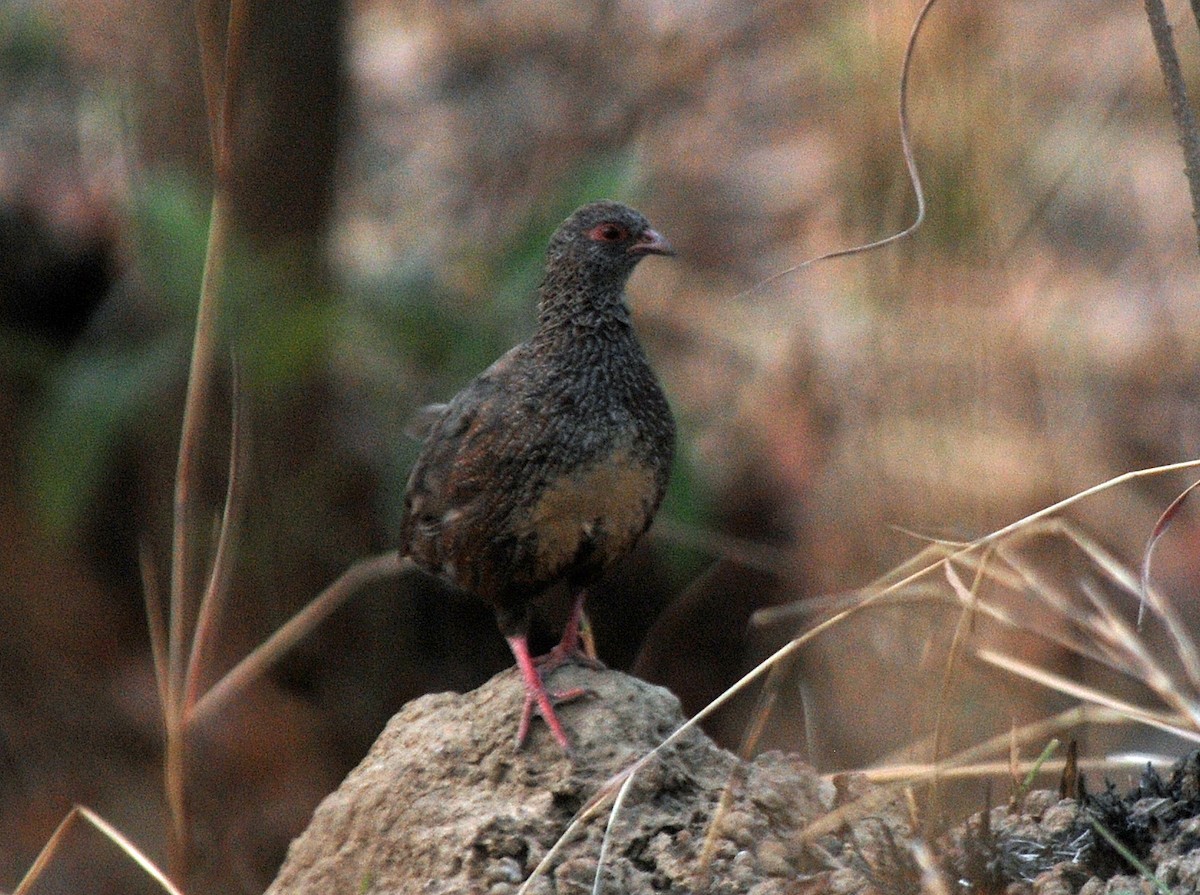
[445, 803]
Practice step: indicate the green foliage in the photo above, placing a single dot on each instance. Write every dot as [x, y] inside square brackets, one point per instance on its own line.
[276, 315]
[94, 392]
[98, 392]
[687, 502]
[171, 223]
[29, 42]
[90, 399]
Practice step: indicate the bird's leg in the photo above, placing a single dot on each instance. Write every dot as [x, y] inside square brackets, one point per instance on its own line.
[536, 694]
[586, 638]
[577, 644]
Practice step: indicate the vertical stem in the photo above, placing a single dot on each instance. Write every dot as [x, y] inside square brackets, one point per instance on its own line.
[183, 586]
[216, 590]
[174, 780]
[1181, 110]
[195, 408]
[221, 62]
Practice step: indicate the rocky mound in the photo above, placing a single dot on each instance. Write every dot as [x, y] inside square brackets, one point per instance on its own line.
[444, 803]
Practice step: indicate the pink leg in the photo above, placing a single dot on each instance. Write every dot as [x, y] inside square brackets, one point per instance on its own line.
[576, 644]
[535, 694]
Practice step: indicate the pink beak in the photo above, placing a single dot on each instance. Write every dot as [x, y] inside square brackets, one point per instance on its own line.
[651, 242]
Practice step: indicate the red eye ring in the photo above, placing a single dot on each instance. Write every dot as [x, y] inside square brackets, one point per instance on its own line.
[608, 232]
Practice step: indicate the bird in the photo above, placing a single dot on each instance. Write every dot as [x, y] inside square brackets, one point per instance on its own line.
[548, 467]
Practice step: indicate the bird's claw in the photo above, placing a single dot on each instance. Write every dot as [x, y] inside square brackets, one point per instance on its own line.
[546, 710]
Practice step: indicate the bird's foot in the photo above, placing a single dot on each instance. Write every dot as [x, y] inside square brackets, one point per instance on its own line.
[536, 695]
[544, 702]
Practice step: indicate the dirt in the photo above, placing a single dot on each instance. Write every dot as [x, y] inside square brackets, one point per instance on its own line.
[445, 803]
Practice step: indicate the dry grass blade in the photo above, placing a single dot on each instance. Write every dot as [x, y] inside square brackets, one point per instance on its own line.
[212, 64]
[1097, 630]
[220, 574]
[932, 881]
[914, 570]
[129, 848]
[1170, 723]
[606, 841]
[969, 600]
[762, 713]
[183, 600]
[1147, 669]
[195, 409]
[46, 855]
[915, 773]
[1160, 528]
[1035, 731]
[969, 764]
[1181, 109]
[592, 809]
[50, 850]
[222, 39]
[910, 165]
[1056, 508]
[622, 780]
[1184, 645]
[1123, 712]
[221, 52]
[155, 619]
[1085, 636]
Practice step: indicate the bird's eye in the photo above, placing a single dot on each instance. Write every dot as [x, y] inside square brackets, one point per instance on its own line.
[608, 233]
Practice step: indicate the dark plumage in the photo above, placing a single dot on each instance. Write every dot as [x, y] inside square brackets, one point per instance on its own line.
[550, 465]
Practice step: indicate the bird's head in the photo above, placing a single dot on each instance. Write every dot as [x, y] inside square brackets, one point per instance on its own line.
[603, 242]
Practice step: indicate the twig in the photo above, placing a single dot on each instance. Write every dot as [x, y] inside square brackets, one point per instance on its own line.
[286, 636]
[1181, 110]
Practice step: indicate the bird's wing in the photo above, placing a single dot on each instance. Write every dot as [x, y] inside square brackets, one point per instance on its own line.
[469, 442]
[424, 420]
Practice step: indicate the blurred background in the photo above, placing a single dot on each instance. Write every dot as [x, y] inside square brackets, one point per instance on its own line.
[396, 173]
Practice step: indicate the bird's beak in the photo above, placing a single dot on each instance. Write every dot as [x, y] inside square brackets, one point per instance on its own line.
[651, 242]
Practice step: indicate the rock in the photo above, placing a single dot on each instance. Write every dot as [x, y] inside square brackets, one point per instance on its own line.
[445, 803]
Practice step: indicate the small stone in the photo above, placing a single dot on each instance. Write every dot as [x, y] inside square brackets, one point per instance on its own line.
[773, 858]
[736, 827]
[1061, 816]
[505, 870]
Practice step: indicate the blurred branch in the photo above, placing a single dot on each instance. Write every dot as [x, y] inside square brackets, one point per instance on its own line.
[1181, 110]
[297, 627]
[910, 164]
[221, 67]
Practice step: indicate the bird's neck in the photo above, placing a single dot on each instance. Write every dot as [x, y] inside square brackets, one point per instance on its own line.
[573, 309]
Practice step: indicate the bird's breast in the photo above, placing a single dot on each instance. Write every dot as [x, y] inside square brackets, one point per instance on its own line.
[593, 514]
